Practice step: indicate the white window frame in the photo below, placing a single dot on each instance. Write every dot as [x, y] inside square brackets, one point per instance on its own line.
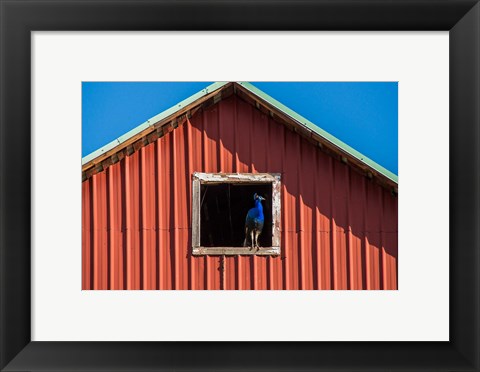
[199, 179]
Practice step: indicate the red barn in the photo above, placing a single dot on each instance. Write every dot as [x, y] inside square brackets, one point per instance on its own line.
[163, 207]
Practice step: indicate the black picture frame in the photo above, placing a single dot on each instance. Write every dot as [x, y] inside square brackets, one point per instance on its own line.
[19, 17]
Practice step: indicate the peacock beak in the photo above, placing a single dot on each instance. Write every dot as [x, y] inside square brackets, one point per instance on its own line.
[261, 197]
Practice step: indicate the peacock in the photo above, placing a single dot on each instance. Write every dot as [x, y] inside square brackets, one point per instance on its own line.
[254, 222]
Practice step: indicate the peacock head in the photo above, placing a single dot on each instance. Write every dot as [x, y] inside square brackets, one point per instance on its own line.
[258, 197]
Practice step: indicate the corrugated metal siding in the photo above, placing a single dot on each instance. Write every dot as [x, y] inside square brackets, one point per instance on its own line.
[339, 229]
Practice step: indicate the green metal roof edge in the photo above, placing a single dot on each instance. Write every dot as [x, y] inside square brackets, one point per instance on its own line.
[152, 121]
[314, 128]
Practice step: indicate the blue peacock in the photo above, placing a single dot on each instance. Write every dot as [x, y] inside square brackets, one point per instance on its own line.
[254, 223]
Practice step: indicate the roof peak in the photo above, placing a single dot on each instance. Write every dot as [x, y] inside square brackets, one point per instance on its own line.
[169, 119]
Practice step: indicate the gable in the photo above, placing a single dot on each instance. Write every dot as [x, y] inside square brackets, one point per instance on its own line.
[169, 120]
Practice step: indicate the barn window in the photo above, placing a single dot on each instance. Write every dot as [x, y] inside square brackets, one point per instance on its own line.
[220, 203]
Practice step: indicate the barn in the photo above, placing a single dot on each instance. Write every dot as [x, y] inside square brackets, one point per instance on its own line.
[163, 207]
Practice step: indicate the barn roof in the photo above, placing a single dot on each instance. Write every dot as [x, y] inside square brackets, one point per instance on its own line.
[169, 119]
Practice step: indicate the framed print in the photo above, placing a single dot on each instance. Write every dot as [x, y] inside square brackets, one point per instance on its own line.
[47, 326]
[266, 281]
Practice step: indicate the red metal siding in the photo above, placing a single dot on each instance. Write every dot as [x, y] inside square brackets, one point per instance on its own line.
[339, 229]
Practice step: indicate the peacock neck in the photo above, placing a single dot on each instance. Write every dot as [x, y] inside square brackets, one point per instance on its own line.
[258, 205]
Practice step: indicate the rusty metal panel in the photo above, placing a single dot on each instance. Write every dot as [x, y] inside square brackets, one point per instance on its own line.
[339, 230]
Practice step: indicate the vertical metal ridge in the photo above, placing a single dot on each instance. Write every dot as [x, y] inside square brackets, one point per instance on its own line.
[342, 222]
[368, 271]
[92, 236]
[316, 279]
[178, 212]
[300, 207]
[321, 236]
[144, 282]
[117, 248]
[148, 217]
[123, 181]
[381, 246]
[135, 220]
[190, 170]
[200, 161]
[103, 234]
[335, 255]
[141, 226]
[205, 259]
[128, 229]
[173, 232]
[160, 222]
[157, 213]
[292, 169]
[352, 251]
[389, 245]
[308, 173]
[185, 218]
[128, 225]
[193, 155]
[100, 267]
[373, 232]
[348, 233]
[368, 249]
[332, 225]
[281, 141]
[283, 239]
[87, 235]
[95, 232]
[327, 226]
[109, 227]
[188, 204]
[206, 168]
[363, 240]
[137, 226]
[286, 219]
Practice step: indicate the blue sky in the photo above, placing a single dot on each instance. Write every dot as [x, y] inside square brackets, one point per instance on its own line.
[363, 115]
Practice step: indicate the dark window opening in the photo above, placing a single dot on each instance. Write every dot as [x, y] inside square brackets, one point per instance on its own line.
[223, 209]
